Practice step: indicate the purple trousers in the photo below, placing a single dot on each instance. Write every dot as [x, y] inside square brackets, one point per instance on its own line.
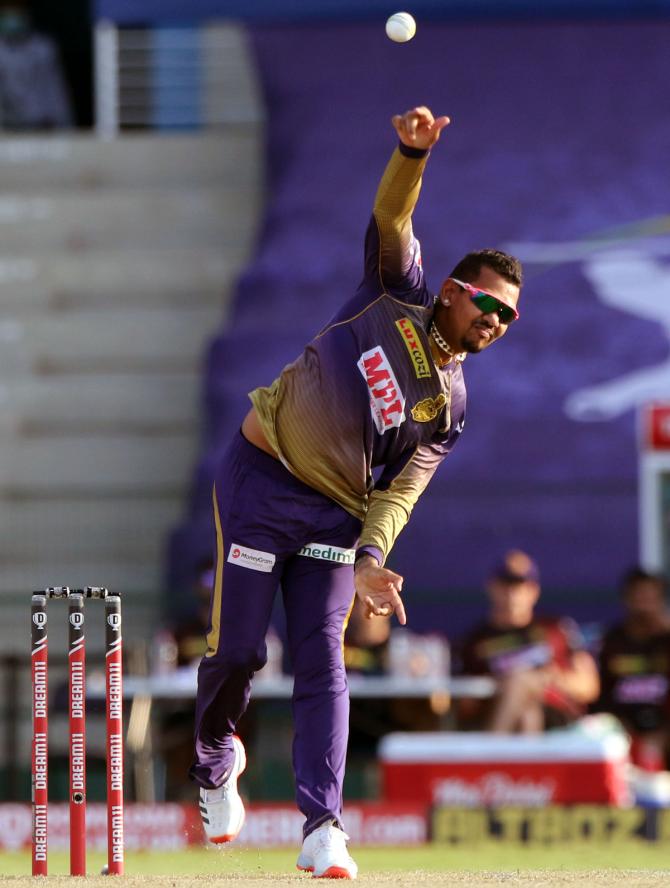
[272, 529]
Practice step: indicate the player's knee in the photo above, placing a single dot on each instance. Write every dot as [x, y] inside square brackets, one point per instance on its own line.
[244, 658]
[321, 674]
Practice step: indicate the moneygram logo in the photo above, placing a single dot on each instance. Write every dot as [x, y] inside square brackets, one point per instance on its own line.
[253, 559]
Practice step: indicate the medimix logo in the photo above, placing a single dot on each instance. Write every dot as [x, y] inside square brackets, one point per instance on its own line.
[328, 553]
[253, 559]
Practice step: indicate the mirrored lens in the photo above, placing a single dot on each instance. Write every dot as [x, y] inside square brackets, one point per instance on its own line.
[487, 304]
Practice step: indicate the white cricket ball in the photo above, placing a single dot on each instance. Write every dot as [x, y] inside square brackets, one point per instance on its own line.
[400, 27]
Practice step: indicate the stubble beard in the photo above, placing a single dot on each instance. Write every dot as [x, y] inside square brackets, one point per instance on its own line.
[476, 345]
[473, 348]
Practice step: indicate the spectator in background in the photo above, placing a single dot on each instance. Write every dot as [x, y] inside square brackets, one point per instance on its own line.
[544, 676]
[189, 635]
[181, 644]
[635, 668]
[366, 642]
[33, 95]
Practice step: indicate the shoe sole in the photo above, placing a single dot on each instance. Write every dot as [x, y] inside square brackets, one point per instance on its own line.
[334, 872]
[229, 837]
[221, 840]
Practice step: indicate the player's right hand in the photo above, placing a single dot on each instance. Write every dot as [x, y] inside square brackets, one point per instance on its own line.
[417, 128]
[379, 590]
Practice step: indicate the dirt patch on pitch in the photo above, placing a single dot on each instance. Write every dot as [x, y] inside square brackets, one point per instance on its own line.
[538, 879]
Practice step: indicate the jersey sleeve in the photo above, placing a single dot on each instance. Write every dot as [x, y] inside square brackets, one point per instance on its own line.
[391, 501]
[392, 253]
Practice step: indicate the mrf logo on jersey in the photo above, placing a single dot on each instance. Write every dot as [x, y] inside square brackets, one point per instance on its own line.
[387, 402]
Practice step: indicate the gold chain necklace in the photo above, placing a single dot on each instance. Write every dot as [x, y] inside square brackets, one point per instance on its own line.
[443, 345]
[440, 341]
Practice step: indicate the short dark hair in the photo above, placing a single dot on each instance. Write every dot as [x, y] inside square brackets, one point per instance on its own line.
[636, 574]
[506, 266]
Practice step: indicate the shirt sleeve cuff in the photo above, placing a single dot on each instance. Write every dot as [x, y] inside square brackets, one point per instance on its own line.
[370, 550]
[408, 151]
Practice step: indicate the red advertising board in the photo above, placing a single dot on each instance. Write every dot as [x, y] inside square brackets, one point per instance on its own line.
[658, 426]
[174, 826]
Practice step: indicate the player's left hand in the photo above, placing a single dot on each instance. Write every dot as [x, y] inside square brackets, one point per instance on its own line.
[379, 590]
[417, 128]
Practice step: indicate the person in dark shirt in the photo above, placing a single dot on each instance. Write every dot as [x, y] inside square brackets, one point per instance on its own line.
[544, 676]
[366, 643]
[635, 668]
[33, 92]
[179, 645]
[296, 499]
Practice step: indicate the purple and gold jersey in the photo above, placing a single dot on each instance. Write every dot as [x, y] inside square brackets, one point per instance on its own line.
[366, 392]
[635, 678]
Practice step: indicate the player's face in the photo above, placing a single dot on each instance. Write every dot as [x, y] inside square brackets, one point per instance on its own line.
[466, 328]
[512, 604]
[645, 599]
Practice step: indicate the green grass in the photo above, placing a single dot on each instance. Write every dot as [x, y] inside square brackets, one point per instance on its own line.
[477, 857]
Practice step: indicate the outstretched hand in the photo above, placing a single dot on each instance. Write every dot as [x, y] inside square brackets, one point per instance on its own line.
[417, 128]
[379, 590]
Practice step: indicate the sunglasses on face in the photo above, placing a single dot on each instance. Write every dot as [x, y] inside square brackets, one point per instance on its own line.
[488, 303]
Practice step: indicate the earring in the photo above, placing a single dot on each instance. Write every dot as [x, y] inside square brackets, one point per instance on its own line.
[446, 302]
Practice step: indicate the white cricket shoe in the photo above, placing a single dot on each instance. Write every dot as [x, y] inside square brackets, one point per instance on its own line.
[222, 809]
[324, 854]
